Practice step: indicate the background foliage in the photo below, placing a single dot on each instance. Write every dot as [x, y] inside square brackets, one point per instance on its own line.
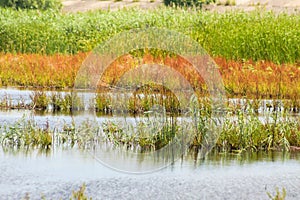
[257, 35]
[32, 4]
[188, 3]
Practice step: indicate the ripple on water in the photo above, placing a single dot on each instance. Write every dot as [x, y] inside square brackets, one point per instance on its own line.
[58, 174]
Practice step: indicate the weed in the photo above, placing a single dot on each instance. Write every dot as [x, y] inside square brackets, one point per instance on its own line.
[278, 195]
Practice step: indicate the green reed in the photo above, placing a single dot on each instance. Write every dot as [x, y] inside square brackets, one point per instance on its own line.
[238, 133]
[25, 134]
[40, 100]
[257, 35]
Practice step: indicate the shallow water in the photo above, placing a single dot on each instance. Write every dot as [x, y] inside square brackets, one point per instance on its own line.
[57, 173]
[218, 177]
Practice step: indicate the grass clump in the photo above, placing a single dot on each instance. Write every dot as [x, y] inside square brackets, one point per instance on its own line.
[80, 194]
[278, 195]
[26, 134]
[243, 133]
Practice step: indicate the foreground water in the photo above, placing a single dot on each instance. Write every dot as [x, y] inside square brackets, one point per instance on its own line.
[57, 174]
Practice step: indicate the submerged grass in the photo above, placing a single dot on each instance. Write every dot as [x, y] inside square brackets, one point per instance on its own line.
[26, 134]
[239, 133]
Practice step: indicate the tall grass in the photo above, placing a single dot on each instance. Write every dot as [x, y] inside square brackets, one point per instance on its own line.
[27, 134]
[256, 35]
[242, 133]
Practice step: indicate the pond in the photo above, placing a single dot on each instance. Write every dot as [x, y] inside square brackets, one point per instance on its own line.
[58, 172]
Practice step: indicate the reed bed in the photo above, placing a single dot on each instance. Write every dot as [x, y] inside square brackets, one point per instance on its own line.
[257, 35]
[26, 134]
[46, 102]
[244, 132]
[140, 102]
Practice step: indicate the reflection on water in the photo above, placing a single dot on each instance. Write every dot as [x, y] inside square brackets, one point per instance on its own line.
[84, 158]
[218, 175]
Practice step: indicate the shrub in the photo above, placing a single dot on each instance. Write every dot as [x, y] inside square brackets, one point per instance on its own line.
[32, 4]
[188, 3]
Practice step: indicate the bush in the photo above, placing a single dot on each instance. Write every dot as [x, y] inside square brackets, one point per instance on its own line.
[32, 4]
[187, 3]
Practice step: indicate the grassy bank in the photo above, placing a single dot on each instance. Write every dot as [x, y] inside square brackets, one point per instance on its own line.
[257, 35]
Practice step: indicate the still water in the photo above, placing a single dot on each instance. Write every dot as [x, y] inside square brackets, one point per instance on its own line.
[54, 175]
[57, 174]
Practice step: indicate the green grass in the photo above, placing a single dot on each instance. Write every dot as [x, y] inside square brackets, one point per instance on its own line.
[26, 134]
[257, 35]
[245, 133]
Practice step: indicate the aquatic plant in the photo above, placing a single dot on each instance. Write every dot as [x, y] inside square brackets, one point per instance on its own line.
[102, 103]
[39, 100]
[248, 132]
[146, 136]
[6, 102]
[82, 136]
[241, 131]
[25, 134]
[68, 102]
[76, 194]
[278, 195]
[80, 194]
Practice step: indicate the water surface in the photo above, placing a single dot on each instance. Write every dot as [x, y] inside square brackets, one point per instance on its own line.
[217, 177]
